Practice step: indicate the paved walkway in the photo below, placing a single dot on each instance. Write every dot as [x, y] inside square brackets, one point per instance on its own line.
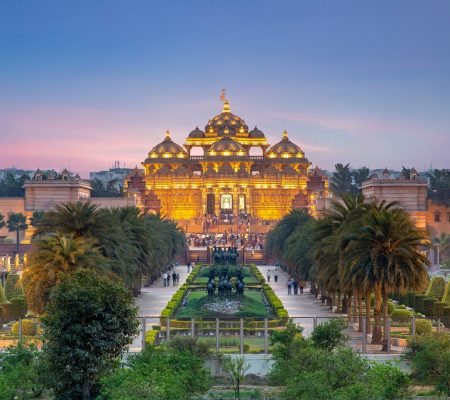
[304, 306]
[153, 300]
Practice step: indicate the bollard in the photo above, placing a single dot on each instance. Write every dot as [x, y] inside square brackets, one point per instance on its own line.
[266, 336]
[168, 329]
[242, 335]
[192, 328]
[217, 334]
[144, 333]
[364, 337]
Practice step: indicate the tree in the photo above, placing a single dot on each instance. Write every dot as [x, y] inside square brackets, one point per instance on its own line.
[439, 186]
[2, 221]
[236, 369]
[13, 286]
[390, 245]
[443, 248]
[157, 374]
[12, 187]
[17, 222]
[37, 218]
[341, 182]
[330, 334]
[430, 358]
[89, 322]
[53, 257]
[19, 372]
[361, 175]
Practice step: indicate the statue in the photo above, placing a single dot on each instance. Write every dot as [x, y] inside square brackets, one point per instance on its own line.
[240, 290]
[211, 288]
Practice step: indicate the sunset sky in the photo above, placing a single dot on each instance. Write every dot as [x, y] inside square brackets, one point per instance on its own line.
[85, 83]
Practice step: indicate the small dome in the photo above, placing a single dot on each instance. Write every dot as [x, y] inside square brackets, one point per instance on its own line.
[226, 147]
[285, 149]
[256, 133]
[226, 123]
[197, 134]
[167, 149]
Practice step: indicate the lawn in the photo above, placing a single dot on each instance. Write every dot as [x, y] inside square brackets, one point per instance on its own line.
[253, 306]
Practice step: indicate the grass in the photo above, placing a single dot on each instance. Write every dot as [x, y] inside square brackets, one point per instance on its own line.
[253, 306]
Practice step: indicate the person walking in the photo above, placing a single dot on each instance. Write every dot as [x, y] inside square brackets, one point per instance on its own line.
[302, 285]
[275, 275]
[178, 278]
[165, 279]
[295, 286]
[189, 267]
[168, 278]
[268, 275]
[174, 277]
[289, 286]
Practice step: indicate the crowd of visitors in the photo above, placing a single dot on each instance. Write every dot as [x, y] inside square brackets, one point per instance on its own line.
[253, 241]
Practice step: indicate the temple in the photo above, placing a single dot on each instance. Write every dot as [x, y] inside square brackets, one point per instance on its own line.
[226, 181]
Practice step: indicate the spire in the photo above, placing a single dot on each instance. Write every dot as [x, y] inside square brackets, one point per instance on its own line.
[167, 135]
[226, 107]
[285, 135]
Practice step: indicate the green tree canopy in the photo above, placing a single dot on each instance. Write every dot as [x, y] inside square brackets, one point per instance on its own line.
[439, 187]
[90, 320]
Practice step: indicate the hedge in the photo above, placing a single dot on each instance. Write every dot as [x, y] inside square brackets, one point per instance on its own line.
[438, 310]
[436, 287]
[3, 299]
[446, 296]
[428, 306]
[401, 315]
[13, 288]
[423, 327]
[446, 316]
[419, 298]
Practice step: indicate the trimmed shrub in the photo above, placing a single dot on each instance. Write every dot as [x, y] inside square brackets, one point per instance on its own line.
[419, 298]
[408, 299]
[438, 309]
[150, 337]
[423, 327]
[436, 287]
[13, 288]
[3, 299]
[446, 296]
[428, 306]
[401, 315]
[29, 327]
[391, 307]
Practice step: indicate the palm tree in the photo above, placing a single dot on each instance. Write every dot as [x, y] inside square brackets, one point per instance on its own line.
[17, 222]
[341, 181]
[360, 175]
[442, 244]
[389, 247]
[53, 257]
[2, 221]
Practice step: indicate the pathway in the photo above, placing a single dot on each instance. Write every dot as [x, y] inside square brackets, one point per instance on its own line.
[305, 305]
[153, 300]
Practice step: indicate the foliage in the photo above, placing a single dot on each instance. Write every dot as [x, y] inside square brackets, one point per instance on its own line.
[341, 181]
[157, 374]
[89, 323]
[430, 358]
[189, 345]
[361, 175]
[19, 372]
[330, 334]
[423, 327]
[110, 190]
[2, 220]
[37, 219]
[401, 315]
[16, 222]
[53, 257]
[29, 327]
[389, 381]
[439, 186]
[11, 186]
[3, 298]
[236, 369]
[436, 287]
[13, 286]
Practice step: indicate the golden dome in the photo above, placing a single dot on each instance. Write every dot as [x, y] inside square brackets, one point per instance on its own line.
[226, 146]
[226, 123]
[285, 149]
[197, 133]
[167, 149]
[256, 133]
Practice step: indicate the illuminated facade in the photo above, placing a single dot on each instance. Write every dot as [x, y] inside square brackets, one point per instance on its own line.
[226, 178]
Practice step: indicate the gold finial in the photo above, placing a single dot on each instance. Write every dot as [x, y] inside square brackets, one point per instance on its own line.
[226, 107]
[167, 134]
[285, 134]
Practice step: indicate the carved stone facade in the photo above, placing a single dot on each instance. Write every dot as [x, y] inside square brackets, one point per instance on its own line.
[226, 178]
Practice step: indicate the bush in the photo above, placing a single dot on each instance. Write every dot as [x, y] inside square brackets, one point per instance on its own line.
[446, 296]
[389, 382]
[438, 310]
[150, 337]
[423, 327]
[3, 299]
[418, 306]
[329, 334]
[29, 327]
[13, 288]
[391, 307]
[436, 287]
[428, 306]
[189, 345]
[401, 315]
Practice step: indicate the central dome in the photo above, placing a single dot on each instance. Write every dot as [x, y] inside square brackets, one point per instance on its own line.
[226, 146]
[285, 149]
[226, 123]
